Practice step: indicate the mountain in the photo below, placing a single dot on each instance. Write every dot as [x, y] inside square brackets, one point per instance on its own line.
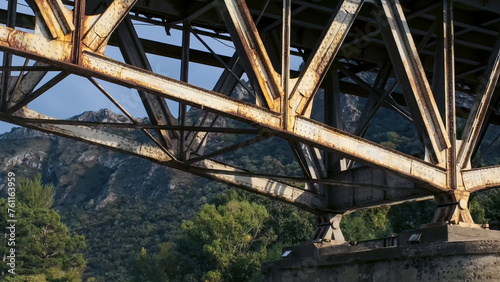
[119, 202]
[84, 174]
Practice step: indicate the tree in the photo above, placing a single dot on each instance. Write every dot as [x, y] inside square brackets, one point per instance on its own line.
[44, 248]
[35, 195]
[485, 206]
[366, 224]
[411, 215]
[227, 242]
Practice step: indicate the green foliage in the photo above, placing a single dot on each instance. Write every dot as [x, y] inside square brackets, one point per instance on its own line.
[411, 215]
[227, 240]
[35, 195]
[391, 130]
[366, 224]
[485, 206]
[44, 248]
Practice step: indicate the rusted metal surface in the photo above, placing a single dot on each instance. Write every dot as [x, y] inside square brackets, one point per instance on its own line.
[26, 86]
[358, 148]
[415, 75]
[176, 90]
[97, 36]
[38, 45]
[57, 18]
[310, 80]
[98, 137]
[448, 63]
[278, 190]
[156, 108]
[479, 111]
[252, 50]
[338, 41]
[480, 179]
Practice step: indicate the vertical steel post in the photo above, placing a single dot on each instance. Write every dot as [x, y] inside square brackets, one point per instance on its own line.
[449, 89]
[333, 117]
[186, 33]
[285, 61]
[78, 22]
[7, 57]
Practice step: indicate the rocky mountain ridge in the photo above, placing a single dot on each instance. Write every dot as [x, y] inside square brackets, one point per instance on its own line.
[84, 174]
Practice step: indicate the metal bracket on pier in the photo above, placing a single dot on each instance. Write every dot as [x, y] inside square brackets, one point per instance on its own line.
[452, 210]
[328, 229]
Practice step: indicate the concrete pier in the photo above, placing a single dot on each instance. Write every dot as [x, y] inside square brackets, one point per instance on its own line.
[447, 253]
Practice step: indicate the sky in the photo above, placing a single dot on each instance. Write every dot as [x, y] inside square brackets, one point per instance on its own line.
[75, 94]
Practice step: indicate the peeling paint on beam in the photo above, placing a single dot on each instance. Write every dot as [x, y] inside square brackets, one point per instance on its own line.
[412, 76]
[271, 188]
[355, 147]
[178, 90]
[251, 49]
[316, 68]
[482, 178]
[96, 137]
[98, 35]
[23, 42]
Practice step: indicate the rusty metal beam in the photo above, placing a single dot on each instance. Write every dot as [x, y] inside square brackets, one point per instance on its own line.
[285, 61]
[331, 139]
[98, 34]
[261, 185]
[19, 120]
[411, 75]
[444, 87]
[480, 109]
[7, 59]
[252, 52]
[482, 178]
[56, 17]
[93, 136]
[317, 66]
[181, 120]
[449, 90]
[305, 129]
[225, 85]
[169, 88]
[25, 86]
[228, 149]
[311, 163]
[29, 95]
[205, 168]
[156, 107]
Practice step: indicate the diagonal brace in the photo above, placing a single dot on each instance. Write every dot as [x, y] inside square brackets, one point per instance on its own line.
[317, 66]
[252, 51]
[97, 36]
[412, 76]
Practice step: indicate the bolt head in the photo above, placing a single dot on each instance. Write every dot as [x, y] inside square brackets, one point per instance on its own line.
[462, 204]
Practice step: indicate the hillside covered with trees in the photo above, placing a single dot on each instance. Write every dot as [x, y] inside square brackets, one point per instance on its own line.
[145, 222]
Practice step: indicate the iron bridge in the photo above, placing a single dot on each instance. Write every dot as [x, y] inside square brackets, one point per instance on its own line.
[420, 59]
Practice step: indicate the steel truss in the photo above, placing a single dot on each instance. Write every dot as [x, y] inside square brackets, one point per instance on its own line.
[422, 54]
